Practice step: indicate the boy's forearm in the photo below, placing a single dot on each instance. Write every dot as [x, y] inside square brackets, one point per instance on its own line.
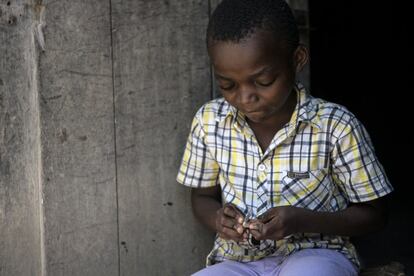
[205, 210]
[358, 219]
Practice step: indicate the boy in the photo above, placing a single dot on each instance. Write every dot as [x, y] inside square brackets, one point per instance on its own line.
[283, 178]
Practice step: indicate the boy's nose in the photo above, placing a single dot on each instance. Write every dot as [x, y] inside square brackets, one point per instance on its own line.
[247, 96]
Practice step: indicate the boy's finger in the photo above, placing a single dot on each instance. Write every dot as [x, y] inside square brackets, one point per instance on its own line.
[265, 217]
[257, 226]
[256, 234]
[232, 224]
[232, 234]
[230, 211]
[226, 222]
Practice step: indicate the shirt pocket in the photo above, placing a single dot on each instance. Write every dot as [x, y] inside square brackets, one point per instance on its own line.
[310, 189]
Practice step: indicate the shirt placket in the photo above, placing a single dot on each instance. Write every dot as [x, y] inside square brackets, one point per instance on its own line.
[259, 198]
[260, 202]
[264, 167]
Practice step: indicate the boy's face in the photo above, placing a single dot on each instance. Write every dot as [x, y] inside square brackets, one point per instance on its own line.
[256, 75]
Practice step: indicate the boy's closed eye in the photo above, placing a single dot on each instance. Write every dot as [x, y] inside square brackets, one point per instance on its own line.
[226, 85]
[265, 81]
[262, 81]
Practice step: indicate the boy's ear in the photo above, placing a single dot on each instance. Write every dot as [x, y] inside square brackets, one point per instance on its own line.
[301, 57]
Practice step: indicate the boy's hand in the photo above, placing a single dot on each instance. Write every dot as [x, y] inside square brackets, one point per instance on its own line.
[229, 222]
[276, 223]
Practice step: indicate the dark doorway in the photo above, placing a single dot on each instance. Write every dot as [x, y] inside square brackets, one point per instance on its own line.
[359, 58]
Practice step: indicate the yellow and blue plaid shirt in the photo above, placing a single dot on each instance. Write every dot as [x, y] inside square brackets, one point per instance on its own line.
[322, 160]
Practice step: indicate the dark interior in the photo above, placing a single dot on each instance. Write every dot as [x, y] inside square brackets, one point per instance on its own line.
[360, 58]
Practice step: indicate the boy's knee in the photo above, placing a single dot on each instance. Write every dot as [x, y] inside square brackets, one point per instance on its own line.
[316, 266]
[227, 268]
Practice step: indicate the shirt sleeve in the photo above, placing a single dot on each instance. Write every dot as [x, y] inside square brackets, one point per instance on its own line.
[198, 169]
[356, 168]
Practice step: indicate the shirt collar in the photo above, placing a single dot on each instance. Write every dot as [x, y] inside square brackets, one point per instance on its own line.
[305, 110]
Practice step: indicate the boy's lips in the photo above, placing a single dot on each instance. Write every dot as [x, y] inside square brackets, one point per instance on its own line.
[251, 111]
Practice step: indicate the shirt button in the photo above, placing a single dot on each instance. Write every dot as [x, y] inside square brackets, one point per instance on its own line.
[262, 167]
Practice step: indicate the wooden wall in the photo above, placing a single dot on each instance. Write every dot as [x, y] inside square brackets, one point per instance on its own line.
[96, 100]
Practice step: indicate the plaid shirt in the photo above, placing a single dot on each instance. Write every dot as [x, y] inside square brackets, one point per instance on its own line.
[321, 160]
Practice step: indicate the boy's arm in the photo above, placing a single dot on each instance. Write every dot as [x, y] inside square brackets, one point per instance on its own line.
[357, 219]
[225, 220]
[205, 203]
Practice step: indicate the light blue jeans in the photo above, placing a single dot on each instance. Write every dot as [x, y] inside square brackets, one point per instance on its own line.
[306, 262]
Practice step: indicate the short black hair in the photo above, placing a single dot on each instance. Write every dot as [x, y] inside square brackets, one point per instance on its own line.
[236, 20]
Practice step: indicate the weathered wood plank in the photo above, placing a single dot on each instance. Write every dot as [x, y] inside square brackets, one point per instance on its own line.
[161, 77]
[78, 140]
[20, 216]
